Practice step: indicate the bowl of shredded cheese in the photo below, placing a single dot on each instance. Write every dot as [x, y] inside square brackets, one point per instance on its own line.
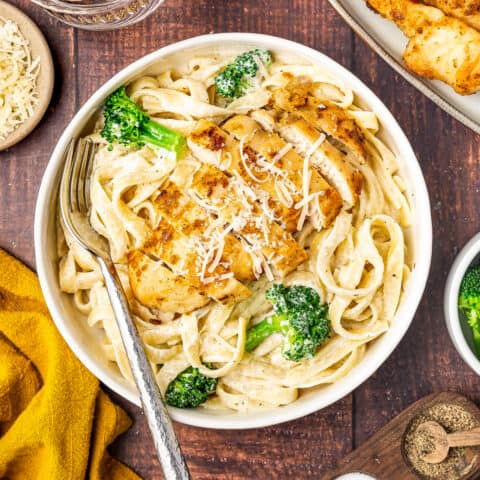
[26, 75]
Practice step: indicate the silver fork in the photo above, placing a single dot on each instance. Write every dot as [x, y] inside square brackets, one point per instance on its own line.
[74, 209]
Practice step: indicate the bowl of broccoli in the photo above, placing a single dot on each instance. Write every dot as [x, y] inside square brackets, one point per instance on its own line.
[462, 303]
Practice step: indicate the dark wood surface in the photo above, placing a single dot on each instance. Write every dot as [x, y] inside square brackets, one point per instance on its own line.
[448, 152]
[382, 455]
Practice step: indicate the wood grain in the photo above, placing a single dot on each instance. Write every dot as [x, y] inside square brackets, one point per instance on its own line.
[424, 362]
[449, 153]
[383, 456]
[22, 166]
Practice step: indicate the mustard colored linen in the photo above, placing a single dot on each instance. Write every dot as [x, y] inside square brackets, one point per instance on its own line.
[55, 422]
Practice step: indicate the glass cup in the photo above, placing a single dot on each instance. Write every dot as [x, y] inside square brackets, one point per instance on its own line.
[99, 14]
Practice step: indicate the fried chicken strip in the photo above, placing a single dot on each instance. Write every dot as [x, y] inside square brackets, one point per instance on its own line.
[440, 47]
[465, 10]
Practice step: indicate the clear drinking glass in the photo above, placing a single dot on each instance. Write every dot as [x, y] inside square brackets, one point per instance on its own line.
[99, 14]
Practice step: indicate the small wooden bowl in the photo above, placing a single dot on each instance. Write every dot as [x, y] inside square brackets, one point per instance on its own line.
[45, 81]
[382, 456]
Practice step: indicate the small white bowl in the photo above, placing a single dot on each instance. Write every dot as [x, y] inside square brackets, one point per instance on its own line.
[85, 341]
[457, 325]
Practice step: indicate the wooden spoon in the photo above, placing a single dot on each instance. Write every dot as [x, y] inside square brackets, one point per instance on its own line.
[443, 441]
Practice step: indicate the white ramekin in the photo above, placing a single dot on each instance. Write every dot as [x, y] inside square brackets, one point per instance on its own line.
[456, 323]
[85, 341]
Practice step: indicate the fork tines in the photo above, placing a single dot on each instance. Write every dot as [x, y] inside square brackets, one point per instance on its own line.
[78, 166]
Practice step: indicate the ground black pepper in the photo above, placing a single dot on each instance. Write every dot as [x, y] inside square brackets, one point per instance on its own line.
[453, 418]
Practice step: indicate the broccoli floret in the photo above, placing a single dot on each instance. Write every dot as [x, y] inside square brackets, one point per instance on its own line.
[469, 303]
[227, 83]
[190, 389]
[235, 79]
[299, 316]
[127, 124]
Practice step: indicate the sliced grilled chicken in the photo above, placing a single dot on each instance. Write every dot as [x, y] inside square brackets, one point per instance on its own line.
[331, 163]
[191, 219]
[189, 257]
[269, 144]
[334, 121]
[156, 286]
[232, 200]
[210, 144]
[265, 118]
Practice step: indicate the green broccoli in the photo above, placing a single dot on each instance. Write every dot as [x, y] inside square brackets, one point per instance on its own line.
[298, 316]
[235, 80]
[190, 389]
[469, 303]
[127, 124]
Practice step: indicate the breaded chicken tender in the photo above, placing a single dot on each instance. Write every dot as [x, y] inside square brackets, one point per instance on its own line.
[440, 47]
[465, 10]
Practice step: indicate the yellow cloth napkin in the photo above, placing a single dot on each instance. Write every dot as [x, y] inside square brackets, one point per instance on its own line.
[55, 422]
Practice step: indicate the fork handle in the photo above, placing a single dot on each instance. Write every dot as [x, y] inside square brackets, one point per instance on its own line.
[166, 443]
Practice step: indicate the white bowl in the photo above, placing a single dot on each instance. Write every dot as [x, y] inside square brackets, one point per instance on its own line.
[84, 341]
[457, 325]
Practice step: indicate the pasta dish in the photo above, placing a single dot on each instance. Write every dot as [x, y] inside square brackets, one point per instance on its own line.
[263, 249]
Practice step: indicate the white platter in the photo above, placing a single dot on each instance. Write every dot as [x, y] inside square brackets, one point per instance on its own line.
[386, 39]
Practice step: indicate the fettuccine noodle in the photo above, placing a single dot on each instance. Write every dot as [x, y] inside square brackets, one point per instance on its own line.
[357, 264]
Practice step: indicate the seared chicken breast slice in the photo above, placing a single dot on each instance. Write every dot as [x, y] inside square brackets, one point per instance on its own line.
[440, 47]
[190, 218]
[193, 257]
[330, 162]
[210, 144]
[465, 10]
[156, 286]
[334, 121]
[232, 201]
[269, 144]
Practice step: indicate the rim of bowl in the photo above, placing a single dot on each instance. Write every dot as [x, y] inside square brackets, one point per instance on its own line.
[406, 310]
[452, 318]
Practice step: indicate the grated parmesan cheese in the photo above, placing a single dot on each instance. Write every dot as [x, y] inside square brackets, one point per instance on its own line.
[219, 278]
[285, 149]
[283, 194]
[244, 159]
[18, 78]
[304, 204]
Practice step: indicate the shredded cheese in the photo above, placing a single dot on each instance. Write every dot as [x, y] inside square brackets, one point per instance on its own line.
[200, 201]
[269, 212]
[218, 256]
[306, 178]
[283, 151]
[219, 278]
[244, 157]
[306, 200]
[321, 138]
[18, 78]
[283, 194]
[257, 259]
[225, 165]
[268, 271]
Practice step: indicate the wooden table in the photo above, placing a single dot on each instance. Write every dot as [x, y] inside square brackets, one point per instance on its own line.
[425, 360]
